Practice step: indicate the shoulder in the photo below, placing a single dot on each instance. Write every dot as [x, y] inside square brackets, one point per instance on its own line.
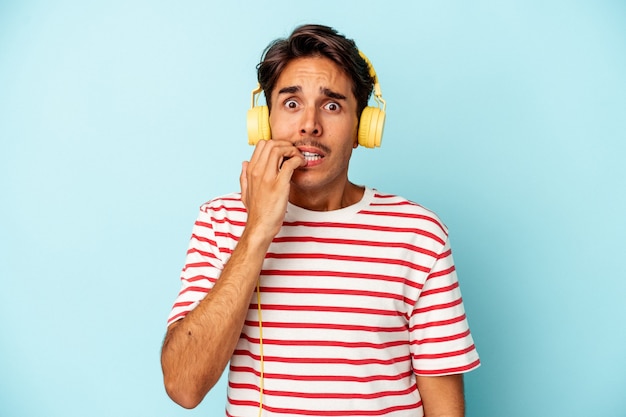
[228, 205]
[406, 211]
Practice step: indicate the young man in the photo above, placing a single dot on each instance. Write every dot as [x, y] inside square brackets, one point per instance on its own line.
[328, 298]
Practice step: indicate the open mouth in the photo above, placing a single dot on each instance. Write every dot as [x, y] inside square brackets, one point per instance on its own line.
[310, 156]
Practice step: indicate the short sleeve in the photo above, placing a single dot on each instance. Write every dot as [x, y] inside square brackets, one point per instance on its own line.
[441, 342]
[203, 265]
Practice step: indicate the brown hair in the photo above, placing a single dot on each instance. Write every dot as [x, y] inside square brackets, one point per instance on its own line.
[316, 40]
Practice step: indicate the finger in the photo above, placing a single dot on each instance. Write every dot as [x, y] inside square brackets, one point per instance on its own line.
[243, 182]
[258, 152]
[291, 164]
[264, 159]
[267, 158]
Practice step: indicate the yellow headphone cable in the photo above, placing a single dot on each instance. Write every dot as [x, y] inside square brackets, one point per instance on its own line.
[262, 370]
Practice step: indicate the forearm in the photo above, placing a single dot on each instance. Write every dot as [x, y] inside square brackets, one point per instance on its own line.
[197, 348]
[442, 396]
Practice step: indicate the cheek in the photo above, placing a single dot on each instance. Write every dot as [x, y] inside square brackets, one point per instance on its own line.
[283, 121]
[277, 126]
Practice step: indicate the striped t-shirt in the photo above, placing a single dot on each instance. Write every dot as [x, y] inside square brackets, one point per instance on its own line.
[355, 302]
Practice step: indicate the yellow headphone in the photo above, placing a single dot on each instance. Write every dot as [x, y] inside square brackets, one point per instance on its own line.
[371, 123]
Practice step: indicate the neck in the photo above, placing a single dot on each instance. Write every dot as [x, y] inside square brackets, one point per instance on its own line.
[326, 200]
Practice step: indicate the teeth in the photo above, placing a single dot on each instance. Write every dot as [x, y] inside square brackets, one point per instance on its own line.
[310, 156]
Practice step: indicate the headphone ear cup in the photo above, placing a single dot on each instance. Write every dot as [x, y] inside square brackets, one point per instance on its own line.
[258, 123]
[371, 127]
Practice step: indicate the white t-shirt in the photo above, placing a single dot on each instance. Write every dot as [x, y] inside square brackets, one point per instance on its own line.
[355, 302]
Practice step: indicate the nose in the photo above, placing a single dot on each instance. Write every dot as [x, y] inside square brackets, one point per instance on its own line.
[310, 123]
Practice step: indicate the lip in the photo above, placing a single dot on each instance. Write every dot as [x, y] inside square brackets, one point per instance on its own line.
[311, 149]
[314, 156]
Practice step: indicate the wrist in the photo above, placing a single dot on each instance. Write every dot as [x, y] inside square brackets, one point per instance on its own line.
[256, 239]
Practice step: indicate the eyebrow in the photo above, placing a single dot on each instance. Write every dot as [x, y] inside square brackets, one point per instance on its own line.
[290, 90]
[332, 94]
[325, 91]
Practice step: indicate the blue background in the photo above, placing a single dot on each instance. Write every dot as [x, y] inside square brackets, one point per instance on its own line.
[119, 118]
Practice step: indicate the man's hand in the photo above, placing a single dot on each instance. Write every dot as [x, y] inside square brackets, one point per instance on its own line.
[265, 182]
[197, 348]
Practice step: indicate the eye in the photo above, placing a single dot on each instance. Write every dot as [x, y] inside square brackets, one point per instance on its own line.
[332, 106]
[290, 104]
